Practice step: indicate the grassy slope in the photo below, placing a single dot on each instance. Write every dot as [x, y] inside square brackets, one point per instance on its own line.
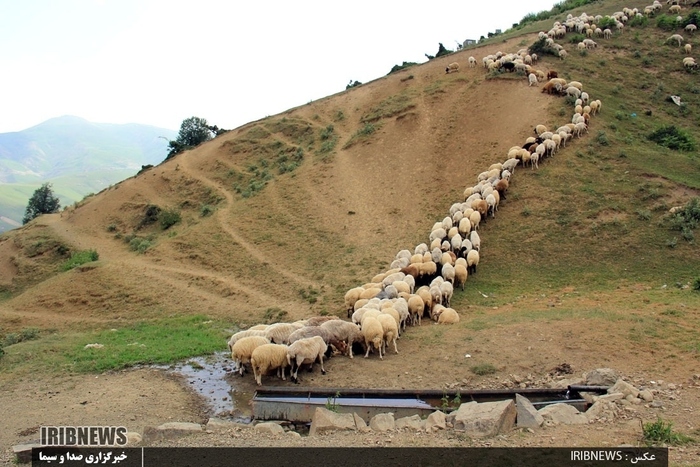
[590, 222]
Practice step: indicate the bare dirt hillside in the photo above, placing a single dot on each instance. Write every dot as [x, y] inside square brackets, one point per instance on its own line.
[282, 216]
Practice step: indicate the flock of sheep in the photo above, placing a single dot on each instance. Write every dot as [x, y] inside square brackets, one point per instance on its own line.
[421, 283]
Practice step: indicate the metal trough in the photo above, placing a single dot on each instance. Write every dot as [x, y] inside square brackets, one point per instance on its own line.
[299, 405]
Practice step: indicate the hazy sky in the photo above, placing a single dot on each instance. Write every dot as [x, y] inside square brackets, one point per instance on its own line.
[158, 62]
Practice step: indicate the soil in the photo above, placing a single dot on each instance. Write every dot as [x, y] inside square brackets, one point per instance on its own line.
[520, 351]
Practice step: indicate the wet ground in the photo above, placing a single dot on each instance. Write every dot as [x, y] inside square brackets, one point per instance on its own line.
[214, 379]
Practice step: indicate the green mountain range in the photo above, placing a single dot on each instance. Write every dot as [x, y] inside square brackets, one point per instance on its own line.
[78, 157]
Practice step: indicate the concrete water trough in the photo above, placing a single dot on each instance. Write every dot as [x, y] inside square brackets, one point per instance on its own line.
[299, 404]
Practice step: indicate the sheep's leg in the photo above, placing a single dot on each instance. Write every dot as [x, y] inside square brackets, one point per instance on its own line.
[323, 370]
[395, 349]
[381, 357]
[369, 347]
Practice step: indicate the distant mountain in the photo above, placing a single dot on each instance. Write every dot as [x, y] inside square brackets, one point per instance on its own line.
[77, 156]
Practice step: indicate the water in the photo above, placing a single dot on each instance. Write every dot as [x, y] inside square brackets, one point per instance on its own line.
[214, 379]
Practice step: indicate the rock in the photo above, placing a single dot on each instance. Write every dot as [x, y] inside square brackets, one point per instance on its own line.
[565, 383]
[269, 428]
[360, 423]
[527, 415]
[133, 438]
[215, 424]
[646, 395]
[562, 414]
[435, 420]
[624, 387]
[602, 377]
[325, 420]
[292, 434]
[485, 419]
[23, 452]
[671, 386]
[589, 397]
[382, 422]
[615, 396]
[601, 409]
[413, 422]
[170, 430]
[656, 405]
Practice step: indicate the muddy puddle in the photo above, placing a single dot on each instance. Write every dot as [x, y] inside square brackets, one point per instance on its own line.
[214, 379]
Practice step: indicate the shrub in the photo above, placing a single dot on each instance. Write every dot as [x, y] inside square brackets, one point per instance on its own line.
[403, 66]
[206, 210]
[140, 244]
[80, 257]
[483, 369]
[602, 139]
[661, 432]
[696, 284]
[149, 216]
[667, 22]
[169, 217]
[638, 21]
[607, 23]
[673, 138]
[541, 48]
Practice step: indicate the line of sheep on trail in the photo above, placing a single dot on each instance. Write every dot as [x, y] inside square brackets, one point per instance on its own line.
[419, 283]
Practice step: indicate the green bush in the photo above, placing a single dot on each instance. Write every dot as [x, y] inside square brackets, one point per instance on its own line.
[541, 48]
[667, 22]
[673, 138]
[638, 21]
[403, 66]
[140, 244]
[483, 369]
[169, 217]
[607, 23]
[661, 432]
[78, 258]
[206, 210]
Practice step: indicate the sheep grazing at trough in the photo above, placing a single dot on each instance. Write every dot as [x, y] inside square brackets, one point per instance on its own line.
[241, 334]
[243, 349]
[304, 352]
[269, 357]
[313, 331]
[346, 332]
[454, 66]
[278, 333]
[373, 332]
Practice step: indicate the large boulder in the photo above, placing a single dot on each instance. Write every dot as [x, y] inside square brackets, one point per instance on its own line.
[383, 422]
[325, 420]
[602, 377]
[269, 428]
[624, 387]
[435, 421]
[562, 414]
[527, 415]
[413, 422]
[485, 419]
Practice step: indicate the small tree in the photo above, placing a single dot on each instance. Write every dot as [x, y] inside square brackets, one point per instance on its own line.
[193, 132]
[43, 201]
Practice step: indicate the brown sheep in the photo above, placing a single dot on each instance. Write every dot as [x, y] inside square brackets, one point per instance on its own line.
[481, 206]
[501, 187]
[551, 88]
[552, 74]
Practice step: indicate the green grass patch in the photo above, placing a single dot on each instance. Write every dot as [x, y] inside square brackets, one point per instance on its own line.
[78, 258]
[362, 135]
[389, 107]
[159, 341]
[661, 432]
[483, 369]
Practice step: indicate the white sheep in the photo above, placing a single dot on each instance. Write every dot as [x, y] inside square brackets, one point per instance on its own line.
[676, 37]
[306, 351]
[532, 79]
[454, 66]
[475, 239]
[416, 307]
[472, 62]
[690, 28]
[448, 316]
[278, 333]
[446, 292]
[390, 331]
[346, 332]
[688, 48]
[373, 333]
[241, 334]
[269, 357]
[243, 349]
[472, 261]
[461, 275]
